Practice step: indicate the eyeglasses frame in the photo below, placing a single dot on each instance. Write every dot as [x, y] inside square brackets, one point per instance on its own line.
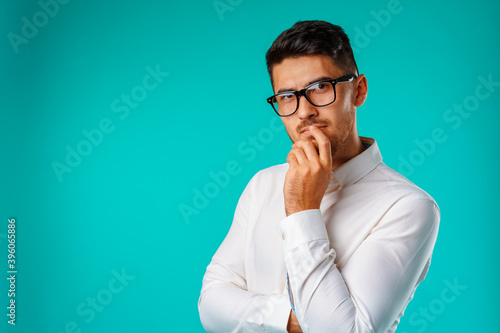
[302, 92]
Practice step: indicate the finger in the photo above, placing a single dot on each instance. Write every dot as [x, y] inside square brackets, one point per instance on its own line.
[309, 149]
[300, 155]
[325, 150]
[291, 159]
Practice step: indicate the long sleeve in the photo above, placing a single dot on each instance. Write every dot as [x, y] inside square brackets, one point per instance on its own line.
[377, 281]
[225, 304]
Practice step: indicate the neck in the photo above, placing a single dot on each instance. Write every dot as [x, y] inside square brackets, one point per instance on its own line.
[351, 148]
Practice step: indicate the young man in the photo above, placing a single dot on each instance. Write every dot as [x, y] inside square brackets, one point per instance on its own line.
[333, 240]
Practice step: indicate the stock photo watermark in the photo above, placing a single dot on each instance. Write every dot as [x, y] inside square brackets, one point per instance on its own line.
[381, 19]
[31, 26]
[425, 315]
[454, 116]
[121, 106]
[257, 311]
[2, 237]
[223, 6]
[248, 149]
[94, 304]
[11, 270]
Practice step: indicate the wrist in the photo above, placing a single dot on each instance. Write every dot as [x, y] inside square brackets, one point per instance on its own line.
[293, 325]
[293, 210]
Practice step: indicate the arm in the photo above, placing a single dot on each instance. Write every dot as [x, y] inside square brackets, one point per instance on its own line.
[293, 324]
[377, 281]
[380, 276]
[225, 305]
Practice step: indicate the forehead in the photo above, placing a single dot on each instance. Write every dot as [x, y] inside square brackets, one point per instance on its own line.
[296, 73]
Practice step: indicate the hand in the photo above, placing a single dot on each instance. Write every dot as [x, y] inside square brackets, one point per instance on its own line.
[309, 174]
[293, 324]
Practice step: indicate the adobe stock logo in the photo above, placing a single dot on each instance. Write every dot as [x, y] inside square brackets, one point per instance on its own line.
[222, 6]
[96, 303]
[454, 116]
[120, 106]
[259, 310]
[248, 148]
[430, 313]
[381, 19]
[40, 19]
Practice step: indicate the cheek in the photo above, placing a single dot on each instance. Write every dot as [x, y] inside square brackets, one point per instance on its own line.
[347, 100]
[332, 115]
[290, 130]
[347, 106]
[290, 126]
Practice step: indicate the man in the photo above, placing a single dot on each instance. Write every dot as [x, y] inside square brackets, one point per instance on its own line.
[333, 240]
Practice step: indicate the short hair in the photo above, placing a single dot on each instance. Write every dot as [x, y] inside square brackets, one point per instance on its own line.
[313, 38]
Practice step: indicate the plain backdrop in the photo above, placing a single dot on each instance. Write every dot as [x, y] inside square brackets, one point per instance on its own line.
[118, 117]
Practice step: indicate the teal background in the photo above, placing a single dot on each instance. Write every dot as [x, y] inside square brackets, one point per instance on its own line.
[120, 207]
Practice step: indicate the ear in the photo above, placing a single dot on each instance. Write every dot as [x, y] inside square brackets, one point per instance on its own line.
[361, 90]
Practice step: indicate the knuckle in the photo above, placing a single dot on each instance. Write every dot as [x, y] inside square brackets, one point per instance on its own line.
[316, 167]
[309, 144]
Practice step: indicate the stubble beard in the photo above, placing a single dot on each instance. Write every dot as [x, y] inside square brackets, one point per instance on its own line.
[337, 141]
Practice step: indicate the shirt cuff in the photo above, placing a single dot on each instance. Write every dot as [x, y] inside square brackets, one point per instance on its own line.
[301, 228]
[278, 321]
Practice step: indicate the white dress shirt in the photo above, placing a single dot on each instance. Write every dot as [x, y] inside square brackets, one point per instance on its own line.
[352, 265]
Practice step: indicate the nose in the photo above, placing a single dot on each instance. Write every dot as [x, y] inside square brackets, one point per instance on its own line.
[306, 109]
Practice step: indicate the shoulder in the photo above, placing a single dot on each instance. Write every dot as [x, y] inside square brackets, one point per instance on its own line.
[268, 179]
[405, 200]
[270, 173]
[393, 182]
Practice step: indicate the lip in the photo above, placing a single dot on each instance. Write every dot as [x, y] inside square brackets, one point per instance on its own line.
[307, 131]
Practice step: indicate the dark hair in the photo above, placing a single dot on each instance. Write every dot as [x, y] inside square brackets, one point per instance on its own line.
[313, 38]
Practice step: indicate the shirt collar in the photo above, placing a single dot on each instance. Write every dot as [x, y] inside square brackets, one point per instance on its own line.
[358, 166]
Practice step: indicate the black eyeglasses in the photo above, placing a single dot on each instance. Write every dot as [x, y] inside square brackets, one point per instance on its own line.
[320, 93]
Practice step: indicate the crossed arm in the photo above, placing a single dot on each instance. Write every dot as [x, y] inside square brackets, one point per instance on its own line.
[366, 296]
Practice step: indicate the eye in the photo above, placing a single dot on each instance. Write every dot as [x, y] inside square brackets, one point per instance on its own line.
[285, 98]
[320, 86]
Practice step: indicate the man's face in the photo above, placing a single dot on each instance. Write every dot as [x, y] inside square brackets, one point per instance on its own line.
[336, 120]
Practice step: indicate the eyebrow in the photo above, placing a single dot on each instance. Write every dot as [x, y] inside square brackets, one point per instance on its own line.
[310, 82]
